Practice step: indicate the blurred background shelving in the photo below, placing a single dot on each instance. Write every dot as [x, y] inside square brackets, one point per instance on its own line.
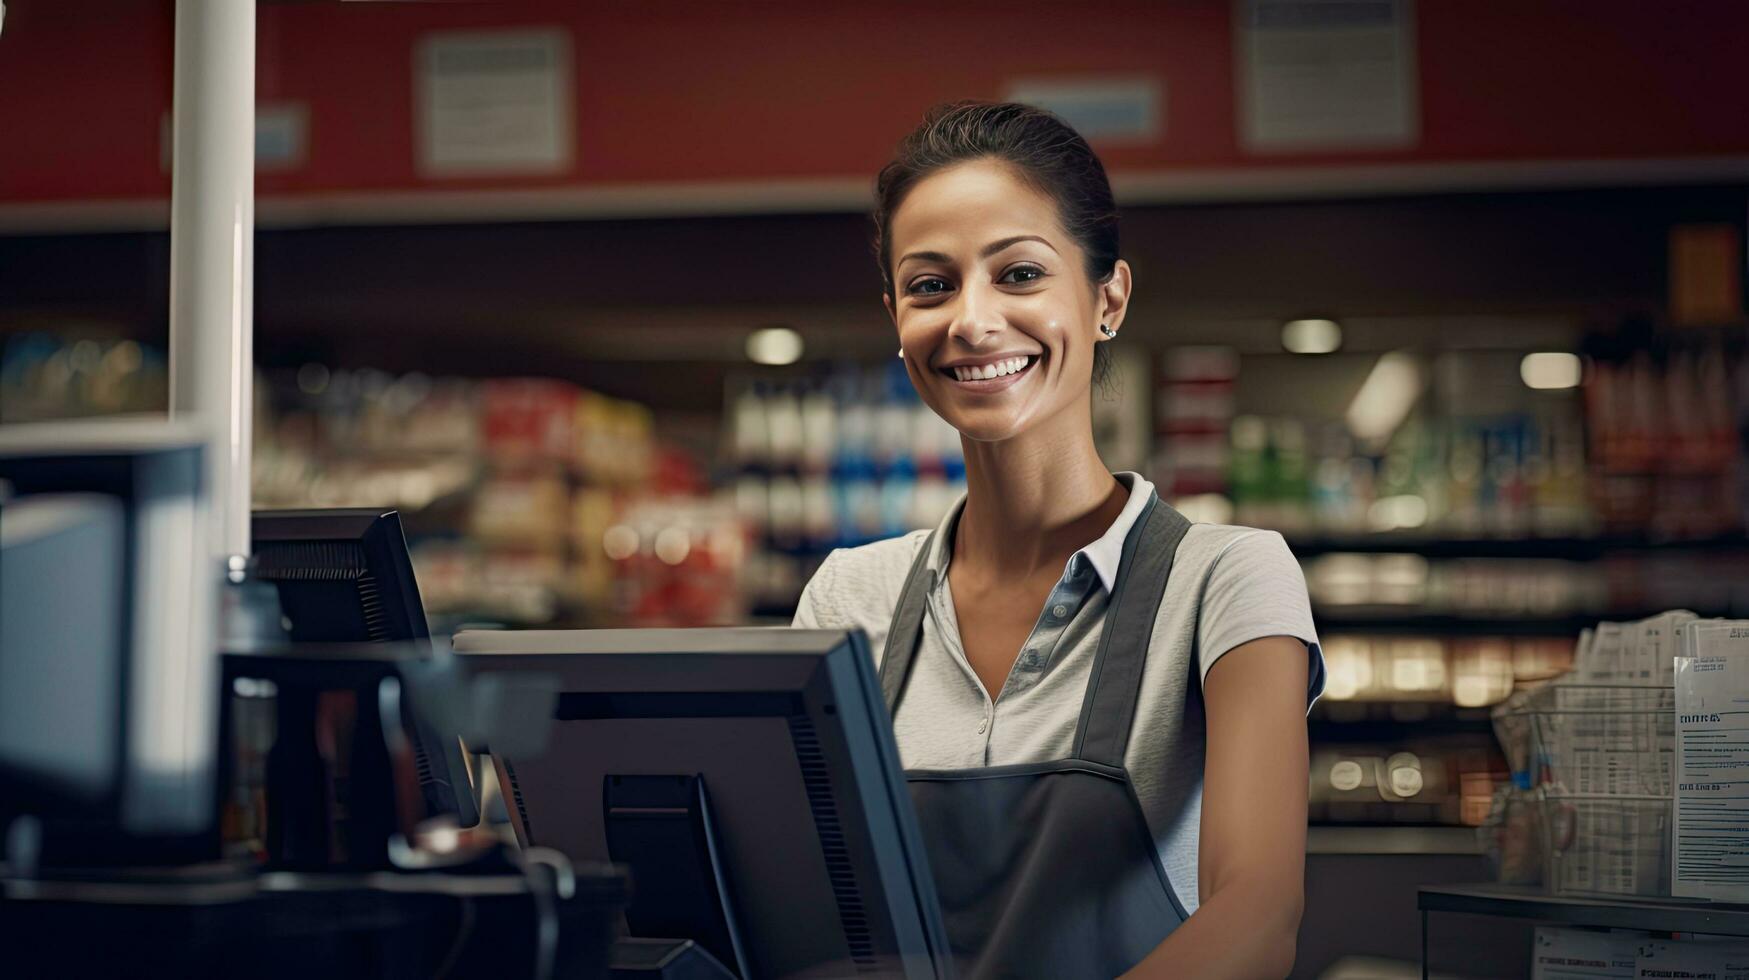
[1491, 392]
[1488, 377]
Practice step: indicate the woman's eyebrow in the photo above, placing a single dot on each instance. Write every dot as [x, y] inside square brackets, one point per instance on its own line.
[1002, 243]
[987, 251]
[924, 256]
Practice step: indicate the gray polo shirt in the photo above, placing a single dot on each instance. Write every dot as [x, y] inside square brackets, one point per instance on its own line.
[1229, 585]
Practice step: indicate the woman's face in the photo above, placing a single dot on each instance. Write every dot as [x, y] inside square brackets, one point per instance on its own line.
[996, 316]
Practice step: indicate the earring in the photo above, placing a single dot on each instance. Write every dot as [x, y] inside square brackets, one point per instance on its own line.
[901, 353]
[1110, 334]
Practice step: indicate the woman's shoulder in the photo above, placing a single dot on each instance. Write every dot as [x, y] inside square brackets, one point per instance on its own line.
[1206, 545]
[859, 584]
[876, 568]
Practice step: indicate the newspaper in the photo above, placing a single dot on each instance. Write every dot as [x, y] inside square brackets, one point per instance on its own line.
[1637, 653]
[1715, 638]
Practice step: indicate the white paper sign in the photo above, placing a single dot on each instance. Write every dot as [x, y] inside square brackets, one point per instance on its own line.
[1326, 74]
[1677, 960]
[494, 102]
[1711, 846]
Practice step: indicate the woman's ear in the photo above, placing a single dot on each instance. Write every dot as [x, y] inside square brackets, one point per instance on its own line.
[892, 314]
[1114, 296]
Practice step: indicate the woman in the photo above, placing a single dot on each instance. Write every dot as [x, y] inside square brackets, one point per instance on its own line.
[1100, 707]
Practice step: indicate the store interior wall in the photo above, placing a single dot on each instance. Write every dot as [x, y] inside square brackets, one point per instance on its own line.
[698, 91]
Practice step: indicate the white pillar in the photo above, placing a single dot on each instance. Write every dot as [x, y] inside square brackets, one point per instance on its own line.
[212, 227]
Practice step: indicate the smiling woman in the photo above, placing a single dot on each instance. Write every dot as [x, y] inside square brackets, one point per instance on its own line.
[1100, 706]
[991, 275]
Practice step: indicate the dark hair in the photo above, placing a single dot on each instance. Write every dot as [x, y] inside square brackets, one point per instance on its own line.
[1044, 151]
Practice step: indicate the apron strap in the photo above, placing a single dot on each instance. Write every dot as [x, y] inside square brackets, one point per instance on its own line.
[906, 629]
[1109, 707]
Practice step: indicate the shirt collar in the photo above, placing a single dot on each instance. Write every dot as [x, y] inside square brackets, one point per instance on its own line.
[1104, 554]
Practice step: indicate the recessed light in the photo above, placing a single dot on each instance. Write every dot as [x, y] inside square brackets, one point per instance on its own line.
[1550, 370]
[1311, 336]
[774, 345]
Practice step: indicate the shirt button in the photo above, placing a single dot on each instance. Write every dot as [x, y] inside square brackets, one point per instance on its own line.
[1059, 611]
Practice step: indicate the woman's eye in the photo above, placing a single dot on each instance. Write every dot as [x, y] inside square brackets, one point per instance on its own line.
[928, 287]
[1022, 274]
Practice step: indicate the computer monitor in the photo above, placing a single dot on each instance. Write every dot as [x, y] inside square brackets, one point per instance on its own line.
[748, 778]
[108, 674]
[344, 576]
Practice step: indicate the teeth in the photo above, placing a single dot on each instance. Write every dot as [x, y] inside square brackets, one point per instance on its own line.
[993, 370]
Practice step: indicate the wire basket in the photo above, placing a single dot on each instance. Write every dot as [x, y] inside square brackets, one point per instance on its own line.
[1598, 740]
[1606, 845]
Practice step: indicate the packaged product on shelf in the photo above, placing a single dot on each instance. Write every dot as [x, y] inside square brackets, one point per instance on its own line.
[1374, 784]
[784, 431]
[593, 510]
[1194, 410]
[818, 525]
[819, 430]
[1481, 672]
[434, 416]
[48, 376]
[528, 420]
[679, 561]
[521, 587]
[749, 436]
[1584, 954]
[614, 441]
[1414, 669]
[528, 510]
[448, 571]
[785, 521]
[1427, 780]
[1712, 731]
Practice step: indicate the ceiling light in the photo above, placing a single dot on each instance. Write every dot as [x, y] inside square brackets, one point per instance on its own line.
[1550, 370]
[1311, 336]
[774, 345]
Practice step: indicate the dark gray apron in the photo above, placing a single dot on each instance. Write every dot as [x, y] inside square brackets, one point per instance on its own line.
[1048, 869]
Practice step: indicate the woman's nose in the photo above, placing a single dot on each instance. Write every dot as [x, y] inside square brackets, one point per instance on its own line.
[976, 319]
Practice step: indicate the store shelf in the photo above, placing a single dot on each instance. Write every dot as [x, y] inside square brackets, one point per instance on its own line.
[1449, 625]
[1330, 730]
[1572, 548]
[1362, 840]
[1658, 915]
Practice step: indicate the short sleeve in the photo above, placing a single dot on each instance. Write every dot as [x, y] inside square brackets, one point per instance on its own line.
[814, 610]
[1256, 589]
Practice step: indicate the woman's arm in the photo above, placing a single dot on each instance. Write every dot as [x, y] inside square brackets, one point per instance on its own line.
[1252, 853]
